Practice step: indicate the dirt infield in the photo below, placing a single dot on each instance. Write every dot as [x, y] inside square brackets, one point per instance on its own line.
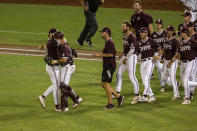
[34, 51]
[147, 4]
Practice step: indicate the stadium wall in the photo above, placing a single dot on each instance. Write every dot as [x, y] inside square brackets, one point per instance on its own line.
[147, 4]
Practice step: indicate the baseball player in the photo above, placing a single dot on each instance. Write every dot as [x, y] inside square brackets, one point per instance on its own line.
[159, 36]
[52, 70]
[170, 50]
[195, 25]
[147, 48]
[187, 19]
[67, 68]
[187, 54]
[109, 66]
[128, 60]
[193, 35]
[191, 5]
[140, 19]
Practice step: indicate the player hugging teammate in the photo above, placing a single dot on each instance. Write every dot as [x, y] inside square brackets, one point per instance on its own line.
[60, 66]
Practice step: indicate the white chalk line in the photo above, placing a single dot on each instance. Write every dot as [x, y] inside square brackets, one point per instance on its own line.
[8, 53]
[18, 32]
[14, 49]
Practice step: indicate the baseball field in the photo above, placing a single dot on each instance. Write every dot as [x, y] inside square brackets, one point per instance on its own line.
[23, 78]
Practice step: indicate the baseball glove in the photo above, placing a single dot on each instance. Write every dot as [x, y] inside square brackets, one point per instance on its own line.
[74, 53]
[48, 60]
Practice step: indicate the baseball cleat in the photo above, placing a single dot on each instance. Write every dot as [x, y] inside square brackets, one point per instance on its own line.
[135, 100]
[109, 106]
[89, 42]
[120, 101]
[152, 99]
[75, 105]
[163, 89]
[80, 99]
[57, 108]
[79, 42]
[143, 99]
[186, 101]
[175, 97]
[66, 109]
[42, 101]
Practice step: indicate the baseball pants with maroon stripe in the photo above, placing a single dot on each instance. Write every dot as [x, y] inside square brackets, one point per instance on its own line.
[131, 67]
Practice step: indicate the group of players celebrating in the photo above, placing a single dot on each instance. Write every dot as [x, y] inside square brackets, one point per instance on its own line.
[160, 48]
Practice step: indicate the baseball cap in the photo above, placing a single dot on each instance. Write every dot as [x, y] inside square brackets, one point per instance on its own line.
[185, 30]
[190, 24]
[106, 29]
[186, 14]
[58, 35]
[170, 28]
[53, 30]
[143, 29]
[159, 21]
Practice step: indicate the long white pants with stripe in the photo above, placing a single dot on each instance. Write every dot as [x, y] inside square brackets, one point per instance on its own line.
[131, 67]
[66, 73]
[186, 75]
[54, 74]
[146, 70]
[194, 78]
[171, 72]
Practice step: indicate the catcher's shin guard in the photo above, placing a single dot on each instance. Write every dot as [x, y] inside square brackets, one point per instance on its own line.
[64, 96]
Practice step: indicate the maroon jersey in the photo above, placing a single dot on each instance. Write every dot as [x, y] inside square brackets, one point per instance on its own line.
[66, 52]
[148, 48]
[170, 48]
[139, 20]
[129, 42]
[160, 38]
[194, 36]
[109, 49]
[188, 49]
[51, 46]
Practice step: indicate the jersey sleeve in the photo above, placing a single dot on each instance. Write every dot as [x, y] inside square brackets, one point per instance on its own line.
[148, 19]
[177, 46]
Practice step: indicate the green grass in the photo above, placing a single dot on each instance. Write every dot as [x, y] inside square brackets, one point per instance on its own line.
[23, 78]
[68, 19]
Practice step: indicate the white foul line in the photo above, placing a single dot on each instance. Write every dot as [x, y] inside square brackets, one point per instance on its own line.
[18, 32]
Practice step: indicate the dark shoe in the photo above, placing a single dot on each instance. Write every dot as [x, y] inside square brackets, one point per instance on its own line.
[120, 101]
[109, 106]
[57, 108]
[89, 42]
[79, 42]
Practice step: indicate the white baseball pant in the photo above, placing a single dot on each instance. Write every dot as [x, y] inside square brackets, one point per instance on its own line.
[131, 67]
[146, 70]
[193, 78]
[171, 72]
[66, 73]
[186, 74]
[54, 74]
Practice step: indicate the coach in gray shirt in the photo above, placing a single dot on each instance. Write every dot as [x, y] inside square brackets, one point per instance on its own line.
[91, 25]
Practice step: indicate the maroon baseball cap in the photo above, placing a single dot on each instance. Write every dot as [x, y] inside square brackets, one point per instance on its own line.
[143, 30]
[170, 28]
[190, 24]
[106, 29]
[186, 14]
[185, 30]
[53, 30]
[159, 21]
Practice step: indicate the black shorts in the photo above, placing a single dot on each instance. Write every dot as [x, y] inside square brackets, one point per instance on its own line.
[107, 74]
